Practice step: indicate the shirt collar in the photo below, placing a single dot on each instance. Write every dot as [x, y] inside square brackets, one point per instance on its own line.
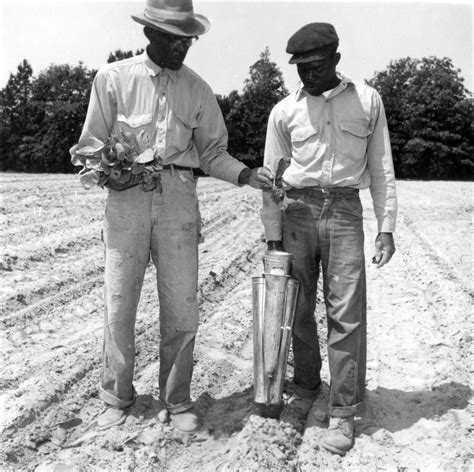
[155, 69]
[345, 82]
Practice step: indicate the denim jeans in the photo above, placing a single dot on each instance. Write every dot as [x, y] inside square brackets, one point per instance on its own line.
[324, 227]
[166, 227]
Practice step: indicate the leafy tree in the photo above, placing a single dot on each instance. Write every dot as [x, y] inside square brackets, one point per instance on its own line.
[236, 140]
[42, 117]
[429, 114]
[15, 110]
[248, 115]
[118, 55]
[60, 96]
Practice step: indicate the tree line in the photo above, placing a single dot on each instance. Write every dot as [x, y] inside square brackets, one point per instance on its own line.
[429, 112]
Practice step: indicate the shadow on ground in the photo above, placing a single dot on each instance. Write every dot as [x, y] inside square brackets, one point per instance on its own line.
[389, 409]
[395, 410]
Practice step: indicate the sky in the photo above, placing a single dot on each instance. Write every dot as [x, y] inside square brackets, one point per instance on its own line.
[371, 34]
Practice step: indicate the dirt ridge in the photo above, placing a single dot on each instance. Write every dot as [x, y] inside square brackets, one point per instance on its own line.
[419, 407]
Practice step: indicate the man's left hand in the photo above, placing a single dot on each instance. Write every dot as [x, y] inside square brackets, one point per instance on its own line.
[260, 177]
[384, 249]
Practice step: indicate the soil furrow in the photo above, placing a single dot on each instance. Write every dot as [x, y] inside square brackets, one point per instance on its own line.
[45, 224]
[419, 378]
[89, 362]
[43, 307]
[442, 263]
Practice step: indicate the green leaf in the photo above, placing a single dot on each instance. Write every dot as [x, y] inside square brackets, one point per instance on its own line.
[145, 157]
[94, 163]
[89, 179]
[120, 151]
[137, 169]
[125, 176]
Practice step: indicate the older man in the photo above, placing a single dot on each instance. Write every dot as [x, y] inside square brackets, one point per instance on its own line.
[154, 95]
[332, 135]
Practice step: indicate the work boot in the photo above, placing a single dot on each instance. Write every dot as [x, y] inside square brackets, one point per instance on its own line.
[339, 436]
[111, 417]
[186, 421]
[296, 410]
[300, 406]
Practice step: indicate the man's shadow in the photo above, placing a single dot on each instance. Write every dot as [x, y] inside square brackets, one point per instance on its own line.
[389, 409]
[222, 417]
[395, 410]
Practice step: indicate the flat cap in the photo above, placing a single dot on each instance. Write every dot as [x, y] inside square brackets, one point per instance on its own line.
[312, 42]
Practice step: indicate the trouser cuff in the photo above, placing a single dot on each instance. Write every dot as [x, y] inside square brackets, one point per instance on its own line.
[345, 411]
[178, 408]
[115, 402]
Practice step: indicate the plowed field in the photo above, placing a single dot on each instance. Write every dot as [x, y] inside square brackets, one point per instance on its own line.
[419, 407]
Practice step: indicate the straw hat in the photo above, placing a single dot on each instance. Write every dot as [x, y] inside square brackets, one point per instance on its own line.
[173, 16]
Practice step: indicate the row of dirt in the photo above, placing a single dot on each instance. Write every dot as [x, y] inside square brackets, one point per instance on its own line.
[420, 355]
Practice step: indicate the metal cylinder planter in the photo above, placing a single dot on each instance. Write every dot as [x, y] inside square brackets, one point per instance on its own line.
[274, 302]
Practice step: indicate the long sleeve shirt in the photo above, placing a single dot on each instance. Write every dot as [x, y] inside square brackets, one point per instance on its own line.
[176, 110]
[339, 140]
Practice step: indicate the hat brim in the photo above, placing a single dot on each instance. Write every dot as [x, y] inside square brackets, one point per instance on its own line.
[197, 26]
[314, 55]
[301, 58]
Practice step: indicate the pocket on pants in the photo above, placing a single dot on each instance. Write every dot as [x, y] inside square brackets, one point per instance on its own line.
[349, 207]
[293, 205]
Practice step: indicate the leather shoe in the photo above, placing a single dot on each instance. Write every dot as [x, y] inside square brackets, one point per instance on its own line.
[339, 437]
[186, 421]
[111, 417]
[300, 406]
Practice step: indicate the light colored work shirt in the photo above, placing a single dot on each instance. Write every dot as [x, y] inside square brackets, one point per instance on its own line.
[338, 140]
[176, 110]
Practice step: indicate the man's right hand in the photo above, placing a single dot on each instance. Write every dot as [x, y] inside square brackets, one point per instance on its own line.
[275, 246]
[260, 178]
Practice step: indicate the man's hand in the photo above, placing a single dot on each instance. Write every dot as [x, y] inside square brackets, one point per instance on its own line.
[275, 246]
[261, 178]
[384, 249]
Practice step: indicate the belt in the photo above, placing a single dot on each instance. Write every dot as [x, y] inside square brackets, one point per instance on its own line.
[334, 191]
[176, 167]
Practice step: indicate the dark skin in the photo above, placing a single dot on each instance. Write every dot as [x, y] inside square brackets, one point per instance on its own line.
[169, 51]
[318, 77]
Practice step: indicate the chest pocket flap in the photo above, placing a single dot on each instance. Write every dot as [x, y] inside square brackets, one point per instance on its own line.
[302, 134]
[356, 128]
[135, 121]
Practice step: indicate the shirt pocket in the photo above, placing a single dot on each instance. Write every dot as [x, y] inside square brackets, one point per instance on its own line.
[180, 132]
[302, 138]
[134, 123]
[139, 125]
[354, 139]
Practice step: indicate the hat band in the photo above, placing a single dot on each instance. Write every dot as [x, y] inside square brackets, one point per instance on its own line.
[159, 14]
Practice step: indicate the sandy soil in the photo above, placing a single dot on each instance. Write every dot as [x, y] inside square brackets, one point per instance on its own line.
[419, 408]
